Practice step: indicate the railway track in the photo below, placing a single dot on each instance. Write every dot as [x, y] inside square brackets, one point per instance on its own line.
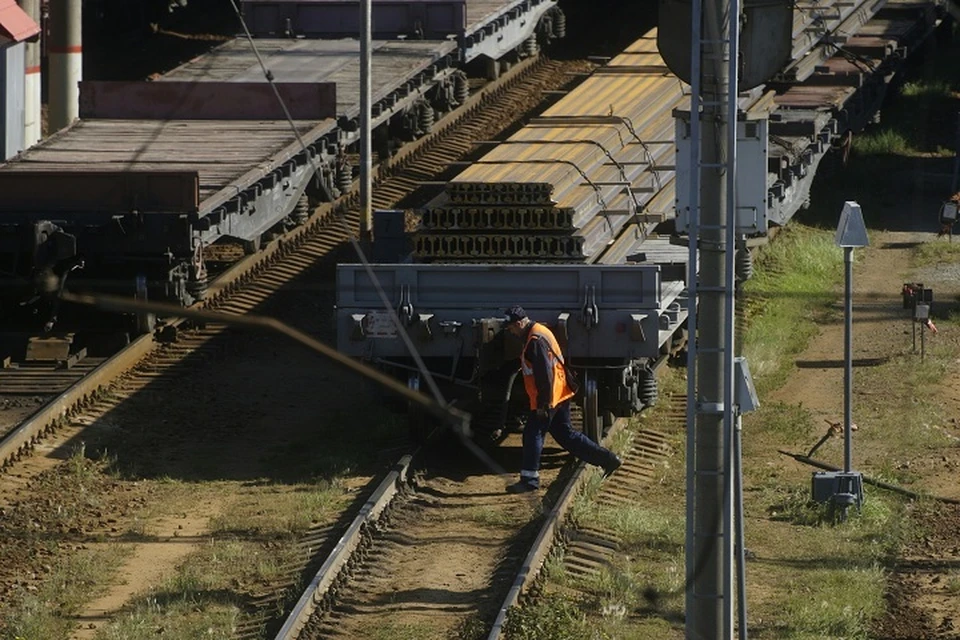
[453, 559]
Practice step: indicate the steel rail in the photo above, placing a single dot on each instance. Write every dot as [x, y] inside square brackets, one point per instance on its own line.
[326, 577]
[60, 407]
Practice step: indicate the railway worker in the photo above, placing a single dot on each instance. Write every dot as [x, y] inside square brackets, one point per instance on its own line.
[545, 380]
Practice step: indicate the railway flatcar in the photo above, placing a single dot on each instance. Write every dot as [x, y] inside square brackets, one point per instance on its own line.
[560, 218]
[131, 196]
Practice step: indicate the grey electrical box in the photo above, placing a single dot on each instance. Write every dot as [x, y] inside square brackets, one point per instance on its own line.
[837, 486]
[751, 175]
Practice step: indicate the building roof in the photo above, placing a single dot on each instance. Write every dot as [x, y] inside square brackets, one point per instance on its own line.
[15, 24]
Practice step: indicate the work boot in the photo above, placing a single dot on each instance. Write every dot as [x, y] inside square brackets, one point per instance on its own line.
[611, 465]
[523, 486]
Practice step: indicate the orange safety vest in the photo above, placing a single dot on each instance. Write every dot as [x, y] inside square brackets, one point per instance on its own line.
[560, 390]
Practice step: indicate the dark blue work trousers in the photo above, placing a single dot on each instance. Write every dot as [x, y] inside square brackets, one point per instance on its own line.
[560, 427]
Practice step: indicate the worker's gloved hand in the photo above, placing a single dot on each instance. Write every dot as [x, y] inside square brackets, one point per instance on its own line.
[543, 413]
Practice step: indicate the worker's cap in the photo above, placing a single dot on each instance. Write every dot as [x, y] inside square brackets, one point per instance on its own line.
[515, 314]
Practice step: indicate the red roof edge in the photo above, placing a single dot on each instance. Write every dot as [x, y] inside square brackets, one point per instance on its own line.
[15, 24]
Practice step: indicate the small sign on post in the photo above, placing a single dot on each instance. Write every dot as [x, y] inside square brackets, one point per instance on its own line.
[948, 218]
[914, 295]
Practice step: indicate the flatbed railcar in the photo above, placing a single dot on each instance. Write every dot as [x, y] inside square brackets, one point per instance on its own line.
[154, 173]
[579, 217]
[559, 218]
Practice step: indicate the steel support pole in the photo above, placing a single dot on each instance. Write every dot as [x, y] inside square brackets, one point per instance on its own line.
[31, 86]
[713, 549]
[366, 149]
[693, 271]
[65, 53]
[847, 359]
[731, 480]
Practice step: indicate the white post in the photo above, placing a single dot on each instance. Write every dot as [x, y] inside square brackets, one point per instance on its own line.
[65, 53]
[366, 151]
[32, 131]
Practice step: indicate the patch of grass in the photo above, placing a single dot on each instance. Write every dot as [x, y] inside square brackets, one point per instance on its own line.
[227, 562]
[910, 124]
[936, 253]
[285, 511]
[473, 628]
[492, 517]
[904, 416]
[555, 571]
[834, 604]
[189, 614]
[953, 583]
[641, 580]
[882, 142]
[792, 288]
[46, 613]
[640, 526]
[204, 598]
[787, 424]
[552, 616]
[794, 505]
[930, 89]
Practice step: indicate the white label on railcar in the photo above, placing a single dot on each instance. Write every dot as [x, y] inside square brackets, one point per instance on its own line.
[379, 324]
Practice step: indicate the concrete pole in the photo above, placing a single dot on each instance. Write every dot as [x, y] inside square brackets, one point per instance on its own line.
[32, 121]
[366, 149]
[65, 53]
[712, 550]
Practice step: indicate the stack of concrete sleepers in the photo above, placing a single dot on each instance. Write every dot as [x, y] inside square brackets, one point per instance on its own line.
[565, 185]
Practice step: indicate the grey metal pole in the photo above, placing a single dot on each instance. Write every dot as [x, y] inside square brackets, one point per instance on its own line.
[711, 549]
[31, 86]
[741, 549]
[729, 340]
[693, 270]
[848, 360]
[366, 214]
[65, 53]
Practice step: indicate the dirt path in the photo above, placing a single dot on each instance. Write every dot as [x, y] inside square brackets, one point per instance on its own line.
[149, 563]
[923, 601]
[879, 325]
